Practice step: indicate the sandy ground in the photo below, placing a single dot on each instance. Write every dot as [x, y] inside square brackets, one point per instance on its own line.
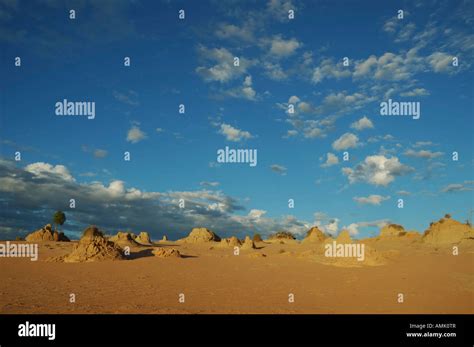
[217, 281]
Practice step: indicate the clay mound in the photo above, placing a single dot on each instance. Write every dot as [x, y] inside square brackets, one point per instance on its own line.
[314, 235]
[93, 246]
[46, 233]
[124, 239]
[143, 238]
[392, 230]
[447, 232]
[248, 243]
[230, 242]
[201, 235]
[344, 237]
[166, 252]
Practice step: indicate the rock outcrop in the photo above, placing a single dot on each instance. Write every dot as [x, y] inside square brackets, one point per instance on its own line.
[314, 235]
[447, 231]
[201, 235]
[93, 246]
[46, 233]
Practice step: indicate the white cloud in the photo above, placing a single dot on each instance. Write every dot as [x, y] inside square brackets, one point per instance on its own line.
[135, 134]
[440, 62]
[223, 70]
[293, 100]
[226, 31]
[278, 9]
[41, 169]
[279, 169]
[274, 71]
[346, 141]
[377, 170]
[280, 47]
[373, 199]
[328, 69]
[290, 133]
[100, 153]
[129, 97]
[245, 91]
[423, 144]
[416, 92]
[234, 134]
[390, 66]
[342, 103]
[209, 184]
[403, 193]
[363, 123]
[331, 160]
[425, 154]
[457, 187]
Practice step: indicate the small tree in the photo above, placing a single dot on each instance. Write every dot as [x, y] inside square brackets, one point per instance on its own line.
[257, 238]
[59, 218]
[447, 216]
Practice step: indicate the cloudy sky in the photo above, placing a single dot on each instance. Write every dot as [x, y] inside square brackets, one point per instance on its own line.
[283, 64]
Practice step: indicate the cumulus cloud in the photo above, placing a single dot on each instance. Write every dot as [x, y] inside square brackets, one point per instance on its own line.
[234, 134]
[280, 47]
[46, 170]
[278, 9]
[390, 66]
[274, 71]
[373, 199]
[377, 170]
[30, 195]
[279, 169]
[223, 69]
[231, 31]
[135, 134]
[327, 69]
[331, 160]
[245, 91]
[440, 62]
[346, 141]
[363, 123]
[342, 103]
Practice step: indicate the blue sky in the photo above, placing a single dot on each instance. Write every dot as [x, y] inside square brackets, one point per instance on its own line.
[190, 62]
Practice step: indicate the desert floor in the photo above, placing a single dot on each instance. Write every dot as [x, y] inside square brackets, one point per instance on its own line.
[217, 281]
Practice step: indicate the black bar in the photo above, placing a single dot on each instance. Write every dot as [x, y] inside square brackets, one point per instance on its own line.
[240, 329]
